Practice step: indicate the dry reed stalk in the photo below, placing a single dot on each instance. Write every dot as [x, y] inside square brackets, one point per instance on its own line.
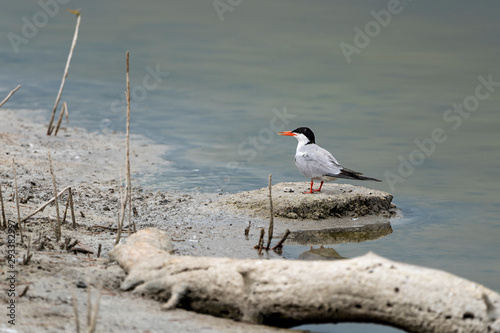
[127, 196]
[131, 224]
[129, 180]
[25, 290]
[9, 95]
[120, 213]
[282, 240]
[66, 69]
[247, 229]
[17, 202]
[4, 219]
[28, 255]
[91, 325]
[58, 222]
[261, 240]
[65, 211]
[271, 216]
[64, 108]
[89, 304]
[72, 207]
[92, 316]
[42, 207]
[119, 226]
[51, 224]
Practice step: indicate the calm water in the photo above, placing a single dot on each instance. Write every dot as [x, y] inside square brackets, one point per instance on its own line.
[386, 101]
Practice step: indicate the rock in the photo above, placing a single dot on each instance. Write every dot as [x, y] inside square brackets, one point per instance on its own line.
[81, 284]
[149, 240]
[334, 200]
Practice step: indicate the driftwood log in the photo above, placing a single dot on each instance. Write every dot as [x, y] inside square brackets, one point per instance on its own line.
[287, 293]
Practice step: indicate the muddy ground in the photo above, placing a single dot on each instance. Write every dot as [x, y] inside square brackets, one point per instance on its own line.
[199, 224]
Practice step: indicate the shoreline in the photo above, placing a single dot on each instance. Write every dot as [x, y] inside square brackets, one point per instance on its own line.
[197, 223]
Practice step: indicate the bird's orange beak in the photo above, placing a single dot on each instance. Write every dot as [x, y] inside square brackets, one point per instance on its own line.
[289, 133]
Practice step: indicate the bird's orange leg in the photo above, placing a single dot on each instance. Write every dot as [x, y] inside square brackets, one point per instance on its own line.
[319, 189]
[310, 191]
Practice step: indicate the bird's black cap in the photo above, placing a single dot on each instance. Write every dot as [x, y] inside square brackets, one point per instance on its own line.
[307, 132]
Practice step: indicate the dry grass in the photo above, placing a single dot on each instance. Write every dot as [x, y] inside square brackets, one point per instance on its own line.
[127, 198]
[271, 215]
[66, 71]
[9, 95]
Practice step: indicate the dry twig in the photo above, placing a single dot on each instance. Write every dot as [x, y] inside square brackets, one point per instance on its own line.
[271, 216]
[71, 206]
[128, 186]
[247, 229]
[58, 222]
[123, 202]
[65, 211]
[17, 202]
[25, 290]
[261, 240]
[92, 316]
[4, 219]
[89, 304]
[66, 69]
[77, 250]
[42, 207]
[279, 246]
[63, 110]
[129, 180]
[9, 95]
[42, 243]
[28, 255]
[68, 245]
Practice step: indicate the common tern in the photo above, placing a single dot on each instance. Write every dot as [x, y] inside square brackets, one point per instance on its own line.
[317, 163]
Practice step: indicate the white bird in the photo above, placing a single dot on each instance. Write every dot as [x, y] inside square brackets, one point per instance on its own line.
[317, 163]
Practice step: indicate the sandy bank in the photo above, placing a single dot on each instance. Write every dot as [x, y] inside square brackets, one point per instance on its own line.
[90, 163]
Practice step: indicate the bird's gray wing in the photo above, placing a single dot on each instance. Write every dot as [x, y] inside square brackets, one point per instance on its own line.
[317, 162]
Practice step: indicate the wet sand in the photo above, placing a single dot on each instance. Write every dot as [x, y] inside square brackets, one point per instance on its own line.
[200, 224]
